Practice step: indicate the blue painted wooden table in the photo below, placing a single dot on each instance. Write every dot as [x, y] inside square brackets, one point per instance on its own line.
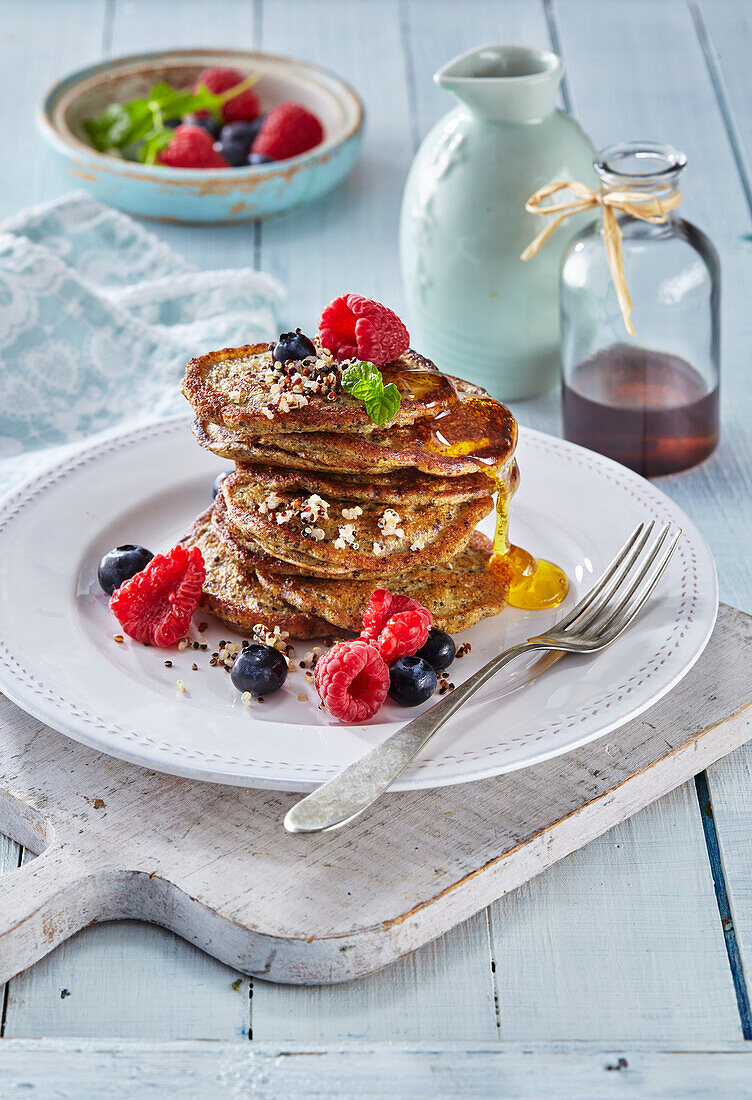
[622, 970]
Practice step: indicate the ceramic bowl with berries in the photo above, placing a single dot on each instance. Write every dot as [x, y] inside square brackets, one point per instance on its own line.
[204, 135]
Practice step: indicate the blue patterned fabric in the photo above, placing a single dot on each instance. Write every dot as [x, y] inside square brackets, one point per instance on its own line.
[97, 319]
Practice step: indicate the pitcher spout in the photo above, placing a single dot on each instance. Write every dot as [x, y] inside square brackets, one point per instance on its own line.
[504, 83]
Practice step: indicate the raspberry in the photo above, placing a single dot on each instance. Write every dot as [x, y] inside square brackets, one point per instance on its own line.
[192, 147]
[404, 634]
[396, 625]
[352, 680]
[241, 108]
[156, 605]
[287, 130]
[381, 606]
[356, 327]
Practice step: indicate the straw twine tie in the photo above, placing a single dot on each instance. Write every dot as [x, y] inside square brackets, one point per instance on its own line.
[637, 204]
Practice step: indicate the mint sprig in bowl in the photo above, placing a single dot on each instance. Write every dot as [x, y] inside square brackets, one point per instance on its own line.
[209, 195]
[141, 128]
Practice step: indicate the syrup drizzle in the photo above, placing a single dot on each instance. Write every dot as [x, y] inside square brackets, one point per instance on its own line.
[482, 429]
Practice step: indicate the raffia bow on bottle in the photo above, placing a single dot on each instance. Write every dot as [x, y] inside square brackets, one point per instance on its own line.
[637, 204]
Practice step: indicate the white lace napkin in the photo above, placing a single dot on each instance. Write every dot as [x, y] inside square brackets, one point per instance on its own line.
[97, 319]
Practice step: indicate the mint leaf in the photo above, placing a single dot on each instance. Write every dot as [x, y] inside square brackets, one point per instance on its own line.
[366, 387]
[161, 91]
[110, 129]
[383, 403]
[364, 381]
[358, 372]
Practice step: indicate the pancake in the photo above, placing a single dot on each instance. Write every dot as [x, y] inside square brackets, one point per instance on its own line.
[237, 598]
[459, 593]
[340, 537]
[249, 555]
[406, 487]
[379, 452]
[243, 388]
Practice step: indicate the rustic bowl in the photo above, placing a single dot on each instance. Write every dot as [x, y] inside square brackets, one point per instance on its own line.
[213, 195]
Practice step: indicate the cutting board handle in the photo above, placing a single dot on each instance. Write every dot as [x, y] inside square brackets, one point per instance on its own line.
[42, 903]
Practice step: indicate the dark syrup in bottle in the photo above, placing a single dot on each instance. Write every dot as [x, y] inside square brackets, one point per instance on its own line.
[648, 410]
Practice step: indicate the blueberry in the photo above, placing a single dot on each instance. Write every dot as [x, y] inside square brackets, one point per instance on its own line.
[173, 123]
[241, 132]
[235, 141]
[439, 649]
[292, 345]
[234, 153]
[218, 481]
[411, 681]
[260, 669]
[209, 124]
[120, 564]
[259, 158]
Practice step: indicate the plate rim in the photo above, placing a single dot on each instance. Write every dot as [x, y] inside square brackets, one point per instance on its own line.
[65, 716]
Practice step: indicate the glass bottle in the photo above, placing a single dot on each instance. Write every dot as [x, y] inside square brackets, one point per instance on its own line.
[649, 401]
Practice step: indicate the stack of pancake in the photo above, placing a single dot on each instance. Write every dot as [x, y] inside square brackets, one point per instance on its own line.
[324, 505]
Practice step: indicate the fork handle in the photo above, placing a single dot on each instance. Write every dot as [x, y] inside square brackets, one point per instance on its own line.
[356, 788]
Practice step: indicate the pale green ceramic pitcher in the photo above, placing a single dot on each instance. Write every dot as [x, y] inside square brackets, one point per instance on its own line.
[476, 309]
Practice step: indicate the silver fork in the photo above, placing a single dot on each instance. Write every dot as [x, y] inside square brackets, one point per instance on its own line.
[597, 620]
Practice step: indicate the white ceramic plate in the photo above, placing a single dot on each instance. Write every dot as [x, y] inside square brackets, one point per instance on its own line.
[58, 659]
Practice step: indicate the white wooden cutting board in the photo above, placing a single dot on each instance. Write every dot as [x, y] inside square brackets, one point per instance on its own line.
[215, 865]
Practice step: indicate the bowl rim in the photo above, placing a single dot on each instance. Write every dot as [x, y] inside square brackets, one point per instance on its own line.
[70, 145]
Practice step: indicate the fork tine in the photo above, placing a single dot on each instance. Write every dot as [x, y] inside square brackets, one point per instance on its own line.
[612, 614]
[611, 577]
[641, 596]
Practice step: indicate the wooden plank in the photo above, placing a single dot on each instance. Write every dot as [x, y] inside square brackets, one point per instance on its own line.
[9, 856]
[620, 940]
[128, 981]
[35, 51]
[442, 992]
[730, 816]
[435, 31]
[140, 25]
[718, 494]
[348, 240]
[131, 981]
[645, 76]
[725, 30]
[30, 63]
[525, 1071]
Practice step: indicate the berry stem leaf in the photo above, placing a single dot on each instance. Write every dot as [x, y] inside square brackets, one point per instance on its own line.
[219, 100]
[150, 149]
